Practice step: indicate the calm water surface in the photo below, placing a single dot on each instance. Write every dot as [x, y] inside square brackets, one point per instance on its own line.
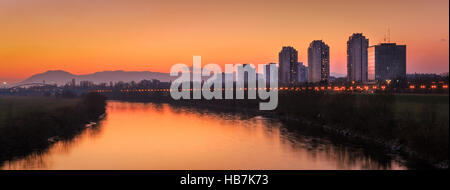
[159, 136]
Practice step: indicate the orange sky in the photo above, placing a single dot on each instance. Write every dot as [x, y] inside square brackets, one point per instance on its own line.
[84, 36]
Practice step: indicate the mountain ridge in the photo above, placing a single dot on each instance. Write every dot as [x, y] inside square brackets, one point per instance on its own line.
[61, 77]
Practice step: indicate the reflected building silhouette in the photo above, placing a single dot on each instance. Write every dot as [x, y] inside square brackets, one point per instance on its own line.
[159, 132]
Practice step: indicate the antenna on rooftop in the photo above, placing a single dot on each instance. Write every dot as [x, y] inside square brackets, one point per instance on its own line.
[387, 35]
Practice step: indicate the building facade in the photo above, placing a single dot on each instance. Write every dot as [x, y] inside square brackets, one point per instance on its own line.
[357, 58]
[388, 61]
[318, 62]
[269, 78]
[246, 70]
[302, 73]
[288, 65]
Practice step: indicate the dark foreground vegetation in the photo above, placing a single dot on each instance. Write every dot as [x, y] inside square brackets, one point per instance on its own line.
[31, 124]
[416, 126]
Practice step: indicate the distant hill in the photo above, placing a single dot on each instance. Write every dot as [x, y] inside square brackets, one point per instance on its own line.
[60, 77]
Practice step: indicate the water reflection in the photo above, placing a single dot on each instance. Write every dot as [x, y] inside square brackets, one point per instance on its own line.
[159, 136]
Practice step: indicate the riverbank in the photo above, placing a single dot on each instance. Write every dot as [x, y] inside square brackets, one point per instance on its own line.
[415, 126]
[32, 124]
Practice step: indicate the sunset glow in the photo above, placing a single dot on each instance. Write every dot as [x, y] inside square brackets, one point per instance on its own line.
[81, 36]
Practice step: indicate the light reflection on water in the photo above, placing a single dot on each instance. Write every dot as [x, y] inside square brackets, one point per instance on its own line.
[159, 136]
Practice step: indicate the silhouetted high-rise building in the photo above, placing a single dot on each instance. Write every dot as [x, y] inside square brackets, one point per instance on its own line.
[318, 62]
[288, 62]
[388, 61]
[245, 77]
[370, 64]
[269, 78]
[357, 66]
[302, 72]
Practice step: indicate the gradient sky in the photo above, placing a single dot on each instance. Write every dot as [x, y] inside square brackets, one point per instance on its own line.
[84, 36]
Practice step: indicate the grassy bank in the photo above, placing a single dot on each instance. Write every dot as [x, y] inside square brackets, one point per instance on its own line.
[27, 123]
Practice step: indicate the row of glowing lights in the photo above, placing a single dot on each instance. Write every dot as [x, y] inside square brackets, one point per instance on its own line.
[336, 88]
[432, 86]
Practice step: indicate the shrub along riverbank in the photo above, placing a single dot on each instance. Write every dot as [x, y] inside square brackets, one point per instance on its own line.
[416, 125]
[29, 124]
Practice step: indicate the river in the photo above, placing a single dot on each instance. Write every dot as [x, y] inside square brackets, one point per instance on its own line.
[160, 136]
